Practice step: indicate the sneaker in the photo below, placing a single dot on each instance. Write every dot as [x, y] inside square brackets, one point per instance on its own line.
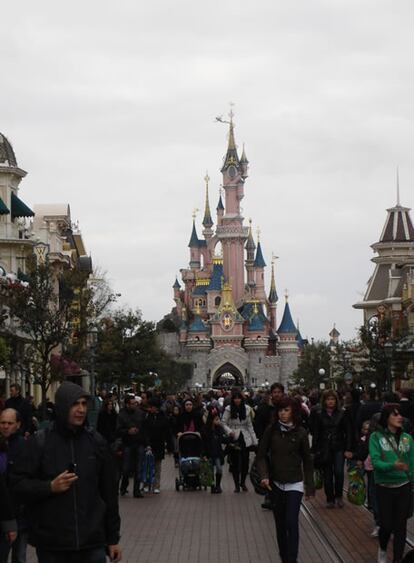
[156, 491]
[375, 532]
[339, 503]
[382, 556]
[146, 489]
[330, 505]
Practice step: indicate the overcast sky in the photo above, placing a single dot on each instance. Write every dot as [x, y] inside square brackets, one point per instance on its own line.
[110, 107]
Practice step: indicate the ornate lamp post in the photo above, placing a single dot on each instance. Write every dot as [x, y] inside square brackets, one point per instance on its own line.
[389, 352]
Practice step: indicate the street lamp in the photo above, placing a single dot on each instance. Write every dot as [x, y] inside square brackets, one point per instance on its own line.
[389, 351]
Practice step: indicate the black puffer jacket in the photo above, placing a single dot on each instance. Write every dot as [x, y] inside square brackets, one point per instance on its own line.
[85, 516]
[331, 433]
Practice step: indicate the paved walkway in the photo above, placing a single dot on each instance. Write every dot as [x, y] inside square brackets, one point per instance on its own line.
[196, 526]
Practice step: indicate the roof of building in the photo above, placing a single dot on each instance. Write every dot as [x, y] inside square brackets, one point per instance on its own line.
[250, 245]
[194, 237]
[398, 225]
[7, 156]
[231, 156]
[217, 275]
[259, 260]
[220, 205]
[247, 310]
[243, 159]
[52, 210]
[287, 326]
[273, 297]
[256, 323]
[19, 208]
[197, 325]
[200, 290]
[4, 210]
[334, 332]
[207, 221]
[299, 340]
[176, 284]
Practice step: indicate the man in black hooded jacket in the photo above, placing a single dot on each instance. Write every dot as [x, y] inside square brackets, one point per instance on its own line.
[66, 478]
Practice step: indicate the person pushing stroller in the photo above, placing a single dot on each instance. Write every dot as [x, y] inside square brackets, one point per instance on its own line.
[214, 437]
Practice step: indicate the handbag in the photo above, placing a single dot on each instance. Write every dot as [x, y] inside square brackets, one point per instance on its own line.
[256, 479]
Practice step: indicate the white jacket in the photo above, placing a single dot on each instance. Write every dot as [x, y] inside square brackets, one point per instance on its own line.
[235, 426]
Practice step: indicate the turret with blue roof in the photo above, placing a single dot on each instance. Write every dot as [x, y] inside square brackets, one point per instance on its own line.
[259, 260]
[287, 326]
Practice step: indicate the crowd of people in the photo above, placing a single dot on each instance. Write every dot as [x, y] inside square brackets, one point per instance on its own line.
[60, 484]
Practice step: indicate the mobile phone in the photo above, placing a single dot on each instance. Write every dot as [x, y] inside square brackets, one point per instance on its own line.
[72, 467]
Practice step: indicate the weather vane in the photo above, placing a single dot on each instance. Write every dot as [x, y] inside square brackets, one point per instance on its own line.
[220, 119]
[195, 211]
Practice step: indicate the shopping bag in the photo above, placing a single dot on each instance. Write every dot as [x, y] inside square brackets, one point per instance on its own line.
[148, 469]
[356, 486]
[206, 473]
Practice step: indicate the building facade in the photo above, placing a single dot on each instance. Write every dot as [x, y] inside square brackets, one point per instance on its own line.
[226, 320]
[389, 298]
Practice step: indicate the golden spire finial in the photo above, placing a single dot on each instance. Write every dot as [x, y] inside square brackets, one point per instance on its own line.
[231, 112]
[207, 179]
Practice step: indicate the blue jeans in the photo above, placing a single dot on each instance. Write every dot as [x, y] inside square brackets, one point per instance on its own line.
[333, 476]
[96, 555]
[286, 507]
[132, 460]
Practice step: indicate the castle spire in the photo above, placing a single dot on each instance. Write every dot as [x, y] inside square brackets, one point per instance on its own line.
[273, 297]
[194, 236]
[231, 156]
[207, 221]
[398, 188]
[250, 245]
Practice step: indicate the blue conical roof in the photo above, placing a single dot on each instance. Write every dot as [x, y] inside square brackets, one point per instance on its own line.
[216, 277]
[299, 339]
[255, 323]
[194, 237]
[287, 326]
[220, 204]
[259, 260]
[197, 325]
[176, 284]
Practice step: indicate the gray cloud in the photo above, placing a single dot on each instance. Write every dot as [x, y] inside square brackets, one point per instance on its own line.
[111, 107]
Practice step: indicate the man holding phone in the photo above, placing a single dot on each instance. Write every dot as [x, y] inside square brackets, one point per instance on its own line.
[66, 478]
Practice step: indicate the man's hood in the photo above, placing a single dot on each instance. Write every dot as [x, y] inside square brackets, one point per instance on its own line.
[66, 396]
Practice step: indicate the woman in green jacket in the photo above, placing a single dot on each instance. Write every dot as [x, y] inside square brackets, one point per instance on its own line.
[392, 456]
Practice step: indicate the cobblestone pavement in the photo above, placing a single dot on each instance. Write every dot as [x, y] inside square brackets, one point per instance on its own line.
[196, 526]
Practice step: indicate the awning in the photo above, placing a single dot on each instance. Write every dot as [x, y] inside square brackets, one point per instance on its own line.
[4, 210]
[19, 208]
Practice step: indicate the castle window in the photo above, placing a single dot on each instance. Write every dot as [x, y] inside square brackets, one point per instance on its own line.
[217, 301]
[260, 360]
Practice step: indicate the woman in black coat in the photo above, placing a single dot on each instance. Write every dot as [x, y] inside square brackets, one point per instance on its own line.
[8, 524]
[191, 420]
[332, 443]
[214, 437]
[156, 429]
[107, 420]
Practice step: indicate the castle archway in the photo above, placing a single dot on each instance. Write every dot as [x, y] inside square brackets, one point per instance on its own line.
[228, 375]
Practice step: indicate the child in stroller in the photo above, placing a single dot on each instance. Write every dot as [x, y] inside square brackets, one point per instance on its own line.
[189, 450]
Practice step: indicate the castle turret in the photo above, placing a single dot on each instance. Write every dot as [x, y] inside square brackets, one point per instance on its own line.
[334, 335]
[288, 344]
[259, 266]
[194, 246]
[220, 210]
[250, 249]
[273, 299]
[244, 164]
[231, 232]
[207, 221]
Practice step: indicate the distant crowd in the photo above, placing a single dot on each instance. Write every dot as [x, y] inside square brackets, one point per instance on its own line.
[61, 479]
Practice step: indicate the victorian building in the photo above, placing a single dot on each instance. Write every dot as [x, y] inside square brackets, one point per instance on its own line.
[226, 319]
[389, 298]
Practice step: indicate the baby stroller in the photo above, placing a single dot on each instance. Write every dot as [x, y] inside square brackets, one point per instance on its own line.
[189, 461]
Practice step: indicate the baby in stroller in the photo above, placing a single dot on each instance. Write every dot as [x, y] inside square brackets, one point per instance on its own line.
[189, 450]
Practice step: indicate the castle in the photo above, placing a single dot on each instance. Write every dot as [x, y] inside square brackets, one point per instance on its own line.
[226, 322]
